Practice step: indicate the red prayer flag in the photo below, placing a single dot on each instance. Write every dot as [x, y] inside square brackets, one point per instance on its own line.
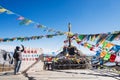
[112, 58]
[92, 49]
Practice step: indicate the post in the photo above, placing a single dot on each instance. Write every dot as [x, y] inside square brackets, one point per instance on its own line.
[69, 29]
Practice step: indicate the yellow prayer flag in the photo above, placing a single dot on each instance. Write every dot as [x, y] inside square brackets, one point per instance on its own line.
[103, 53]
[102, 41]
[2, 10]
[70, 34]
[93, 38]
[77, 39]
[85, 44]
[29, 21]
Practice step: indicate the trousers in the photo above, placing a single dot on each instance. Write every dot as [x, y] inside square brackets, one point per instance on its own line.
[17, 66]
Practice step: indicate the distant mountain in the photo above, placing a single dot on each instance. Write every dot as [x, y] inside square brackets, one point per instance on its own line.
[7, 48]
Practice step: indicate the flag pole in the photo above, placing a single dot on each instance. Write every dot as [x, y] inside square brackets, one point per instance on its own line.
[69, 29]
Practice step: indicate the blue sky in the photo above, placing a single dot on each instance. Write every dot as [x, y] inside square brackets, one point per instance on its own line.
[86, 16]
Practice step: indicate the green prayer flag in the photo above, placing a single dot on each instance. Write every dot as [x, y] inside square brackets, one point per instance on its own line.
[104, 44]
[18, 38]
[49, 36]
[81, 37]
[89, 46]
[107, 57]
[25, 22]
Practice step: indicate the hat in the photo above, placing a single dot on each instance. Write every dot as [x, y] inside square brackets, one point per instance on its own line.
[17, 47]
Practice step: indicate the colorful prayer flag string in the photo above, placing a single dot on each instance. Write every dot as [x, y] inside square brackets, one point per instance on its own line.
[25, 21]
[28, 38]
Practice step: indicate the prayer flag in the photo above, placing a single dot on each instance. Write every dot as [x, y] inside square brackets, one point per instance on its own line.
[97, 53]
[93, 38]
[92, 49]
[112, 58]
[20, 18]
[104, 44]
[25, 22]
[81, 37]
[50, 30]
[118, 37]
[85, 44]
[107, 57]
[87, 37]
[9, 12]
[102, 41]
[116, 48]
[101, 38]
[89, 46]
[112, 37]
[103, 53]
[2, 9]
[40, 26]
[70, 34]
[49, 36]
[109, 45]
[117, 59]
[65, 41]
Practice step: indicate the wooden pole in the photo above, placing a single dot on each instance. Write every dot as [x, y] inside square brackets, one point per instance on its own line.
[69, 29]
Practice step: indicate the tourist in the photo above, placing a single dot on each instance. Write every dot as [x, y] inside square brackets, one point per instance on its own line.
[18, 58]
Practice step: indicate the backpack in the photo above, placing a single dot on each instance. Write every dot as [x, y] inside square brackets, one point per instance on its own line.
[15, 55]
